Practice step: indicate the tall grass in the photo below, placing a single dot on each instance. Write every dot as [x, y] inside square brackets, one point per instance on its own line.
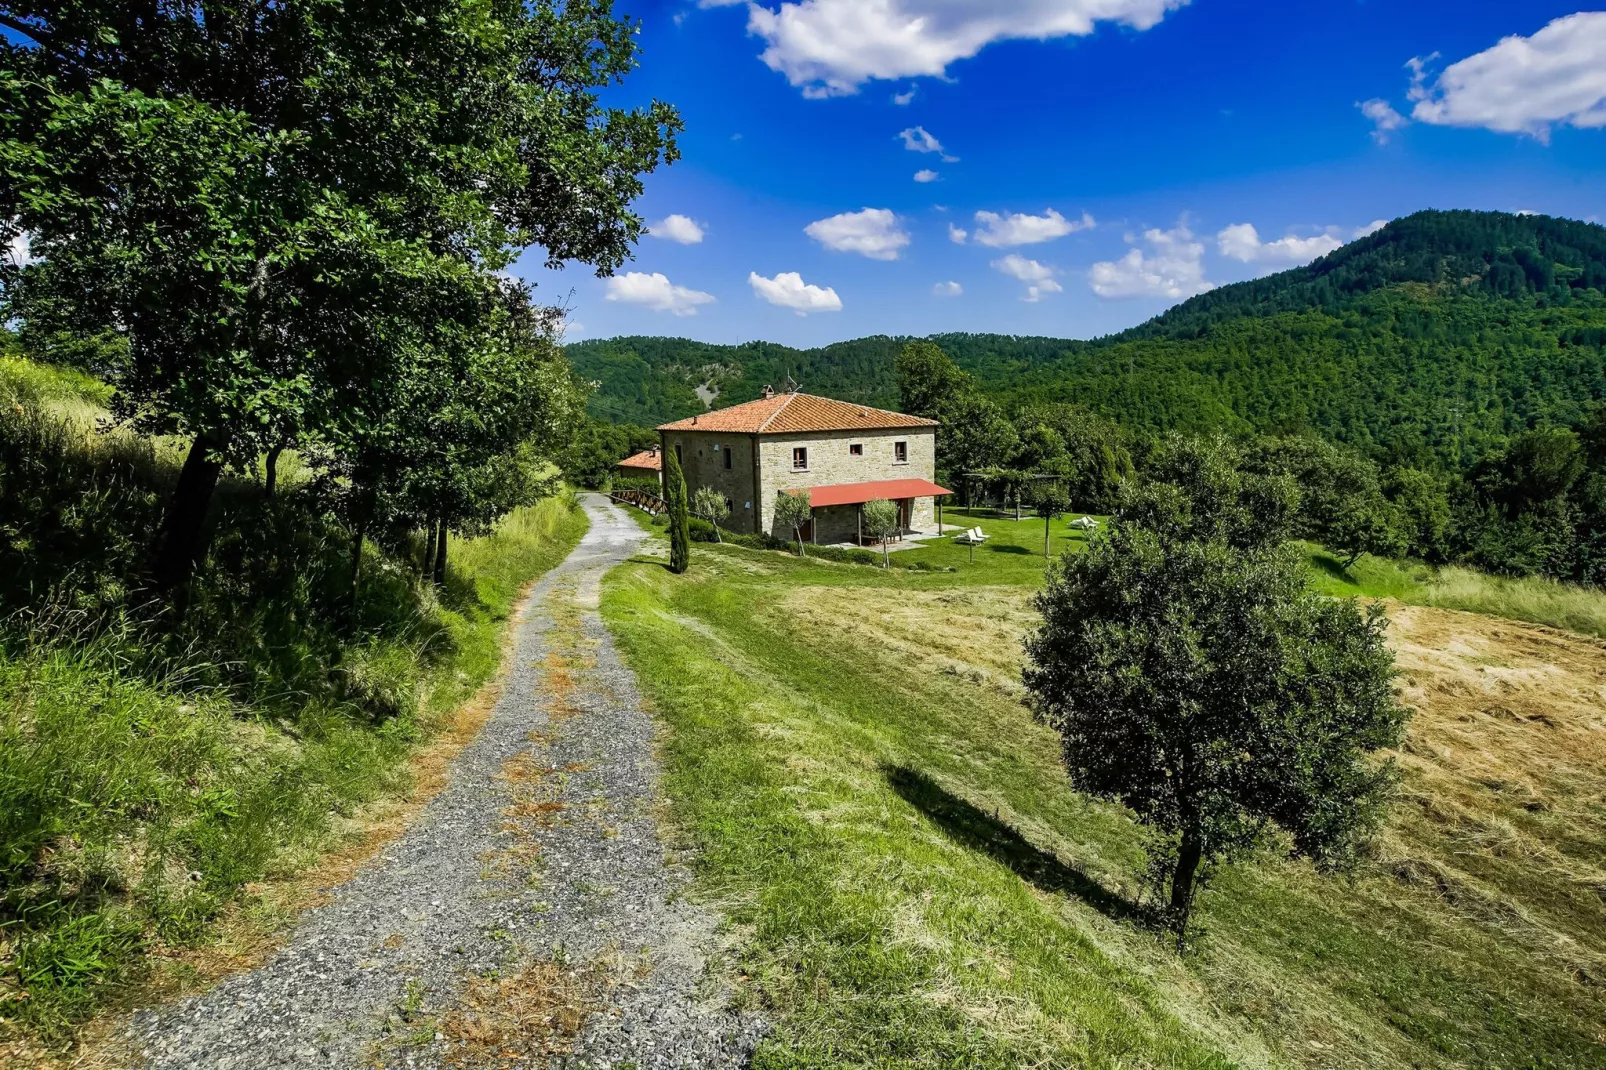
[1541, 601]
[149, 772]
[132, 808]
[23, 381]
[1535, 599]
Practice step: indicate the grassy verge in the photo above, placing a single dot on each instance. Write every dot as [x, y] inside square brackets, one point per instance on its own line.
[918, 887]
[140, 798]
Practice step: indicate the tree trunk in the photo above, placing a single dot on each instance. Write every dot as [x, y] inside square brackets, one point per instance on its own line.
[440, 556]
[1189, 855]
[184, 527]
[1046, 522]
[271, 479]
[429, 549]
[356, 559]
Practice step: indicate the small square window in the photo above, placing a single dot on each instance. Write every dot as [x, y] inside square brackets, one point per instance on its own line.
[856, 449]
[800, 458]
[900, 453]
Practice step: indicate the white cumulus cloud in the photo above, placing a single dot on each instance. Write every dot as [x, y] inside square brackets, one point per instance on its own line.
[919, 139]
[1241, 241]
[1039, 276]
[1371, 228]
[677, 228]
[1002, 231]
[871, 232]
[656, 292]
[1385, 120]
[957, 235]
[948, 289]
[788, 290]
[1172, 267]
[927, 175]
[903, 100]
[1523, 85]
[832, 47]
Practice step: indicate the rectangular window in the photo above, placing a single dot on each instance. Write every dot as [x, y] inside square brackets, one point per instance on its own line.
[900, 453]
[856, 450]
[680, 454]
[800, 458]
[730, 458]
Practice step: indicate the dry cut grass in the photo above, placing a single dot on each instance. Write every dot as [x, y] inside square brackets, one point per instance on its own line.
[1495, 856]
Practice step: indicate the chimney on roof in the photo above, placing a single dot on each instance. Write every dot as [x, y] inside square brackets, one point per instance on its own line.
[769, 391]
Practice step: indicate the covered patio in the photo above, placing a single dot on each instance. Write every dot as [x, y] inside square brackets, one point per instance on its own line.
[839, 508]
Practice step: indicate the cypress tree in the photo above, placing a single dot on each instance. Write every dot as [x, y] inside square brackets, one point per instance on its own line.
[679, 514]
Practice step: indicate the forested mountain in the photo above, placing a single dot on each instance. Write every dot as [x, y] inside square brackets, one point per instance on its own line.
[1440, 335]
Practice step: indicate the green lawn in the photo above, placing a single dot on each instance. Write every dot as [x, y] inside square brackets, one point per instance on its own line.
[913, 884]
[1013, 552]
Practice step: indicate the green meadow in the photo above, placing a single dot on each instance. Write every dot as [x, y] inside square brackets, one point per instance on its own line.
[912, 883]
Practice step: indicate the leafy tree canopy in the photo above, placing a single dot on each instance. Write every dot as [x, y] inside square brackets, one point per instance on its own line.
[282, 214]
[1206, 688]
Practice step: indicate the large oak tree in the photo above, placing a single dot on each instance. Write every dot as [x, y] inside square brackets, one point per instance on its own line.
[278, 211]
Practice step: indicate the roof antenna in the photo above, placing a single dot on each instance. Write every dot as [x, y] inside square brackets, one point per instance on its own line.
[790, 385]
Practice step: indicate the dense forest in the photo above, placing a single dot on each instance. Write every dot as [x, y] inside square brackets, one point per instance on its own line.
[1438, 338]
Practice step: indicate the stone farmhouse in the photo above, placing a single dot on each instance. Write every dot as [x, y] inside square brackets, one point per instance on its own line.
[840, 454]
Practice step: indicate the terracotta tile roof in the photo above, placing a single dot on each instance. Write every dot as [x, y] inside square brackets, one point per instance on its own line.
[786, 414]
[646, 459]
[859, 493]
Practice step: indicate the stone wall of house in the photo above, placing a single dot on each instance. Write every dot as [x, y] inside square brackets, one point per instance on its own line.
[703, 457]
[831, 461]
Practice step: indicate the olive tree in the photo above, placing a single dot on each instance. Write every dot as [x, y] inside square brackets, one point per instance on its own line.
[793, 512]
[1367, 524]
[1049, 500]
[1194, 676]
[881, 521]
[709, 504]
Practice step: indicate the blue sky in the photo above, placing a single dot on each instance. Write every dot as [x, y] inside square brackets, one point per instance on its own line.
[1121, 147]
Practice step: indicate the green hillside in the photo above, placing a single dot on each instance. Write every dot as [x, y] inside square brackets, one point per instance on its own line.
[1447, 331]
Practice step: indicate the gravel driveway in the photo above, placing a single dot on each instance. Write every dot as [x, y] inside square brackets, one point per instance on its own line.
[528, 918]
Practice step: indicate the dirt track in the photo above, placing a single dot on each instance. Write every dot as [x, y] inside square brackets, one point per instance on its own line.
[528, 917]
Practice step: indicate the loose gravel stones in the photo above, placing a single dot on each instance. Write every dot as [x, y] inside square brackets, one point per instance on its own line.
[528, 918]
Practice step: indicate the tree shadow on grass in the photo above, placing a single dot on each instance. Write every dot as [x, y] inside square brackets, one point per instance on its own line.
[999, 549]
[975, 829]
[1334, 568]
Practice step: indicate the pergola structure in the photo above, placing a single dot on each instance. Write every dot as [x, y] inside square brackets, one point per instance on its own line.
[1015, 478]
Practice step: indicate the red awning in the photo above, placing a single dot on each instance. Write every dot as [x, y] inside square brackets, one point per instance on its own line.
[859, 493]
